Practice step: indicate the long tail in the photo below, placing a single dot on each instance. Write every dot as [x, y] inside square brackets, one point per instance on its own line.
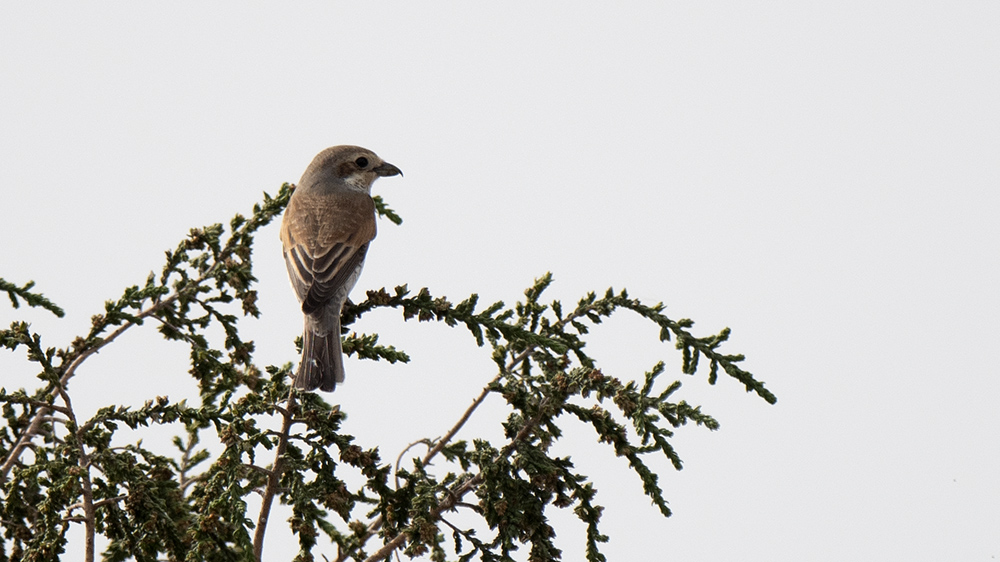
[322, 364]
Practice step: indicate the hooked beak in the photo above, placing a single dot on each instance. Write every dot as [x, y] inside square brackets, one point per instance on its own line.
[386, 169]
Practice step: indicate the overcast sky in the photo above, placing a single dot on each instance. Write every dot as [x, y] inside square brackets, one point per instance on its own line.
[823, 179]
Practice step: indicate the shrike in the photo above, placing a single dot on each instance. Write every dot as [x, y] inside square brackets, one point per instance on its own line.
[325, 233]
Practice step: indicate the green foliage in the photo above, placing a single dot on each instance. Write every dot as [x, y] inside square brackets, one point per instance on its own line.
[192, 504]
[33, 299]
[385, 211]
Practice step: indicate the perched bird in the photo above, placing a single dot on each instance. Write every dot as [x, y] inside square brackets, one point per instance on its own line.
[325, 233]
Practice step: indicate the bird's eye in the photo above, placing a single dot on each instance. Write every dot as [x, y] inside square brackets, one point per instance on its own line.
[361, 162]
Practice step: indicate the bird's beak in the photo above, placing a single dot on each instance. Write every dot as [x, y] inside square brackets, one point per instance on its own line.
[386, 169]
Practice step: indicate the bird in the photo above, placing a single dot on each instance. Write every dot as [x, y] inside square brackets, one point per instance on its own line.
[325, 233]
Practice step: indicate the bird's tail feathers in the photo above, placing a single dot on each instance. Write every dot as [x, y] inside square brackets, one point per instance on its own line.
[322, 364]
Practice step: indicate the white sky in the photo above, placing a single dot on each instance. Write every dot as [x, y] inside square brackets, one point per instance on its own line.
[822, 179]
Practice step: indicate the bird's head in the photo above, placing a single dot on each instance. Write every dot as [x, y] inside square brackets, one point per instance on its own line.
[353, 165]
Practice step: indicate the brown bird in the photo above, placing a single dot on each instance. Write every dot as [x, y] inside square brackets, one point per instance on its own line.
[325, 233]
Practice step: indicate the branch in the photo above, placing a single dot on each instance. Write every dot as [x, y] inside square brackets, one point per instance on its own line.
[36, 423]
[33, 299]
[274, 477]
[456, 495]
[399, 459]
[242, 231]
[89, 508]
[441, 443]
[98, 503]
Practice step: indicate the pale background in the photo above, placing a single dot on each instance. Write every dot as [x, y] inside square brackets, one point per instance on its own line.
[822, 178]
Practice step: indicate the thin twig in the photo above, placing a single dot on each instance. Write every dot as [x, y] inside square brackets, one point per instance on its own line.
[193, 480]
[177, 330]
[40, 404]
[441, 443]
[471, 506]
[399, 459]
[98, 503]
[454, 528]
[260, 469]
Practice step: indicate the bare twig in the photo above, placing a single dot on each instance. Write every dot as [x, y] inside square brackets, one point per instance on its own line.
[41, 404]
[442, 442]
[98, 503]
[471, 506]
[399, 459]
[260, 469]
[189, 481]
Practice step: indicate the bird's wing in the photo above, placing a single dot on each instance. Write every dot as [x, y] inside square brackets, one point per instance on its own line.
[331, 273]
[325, 241]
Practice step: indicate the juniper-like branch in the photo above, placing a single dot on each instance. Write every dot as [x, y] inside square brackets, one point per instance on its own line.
[33, 299]
[37, 421]
[441, 443]
[84, 348]
[455, 495]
